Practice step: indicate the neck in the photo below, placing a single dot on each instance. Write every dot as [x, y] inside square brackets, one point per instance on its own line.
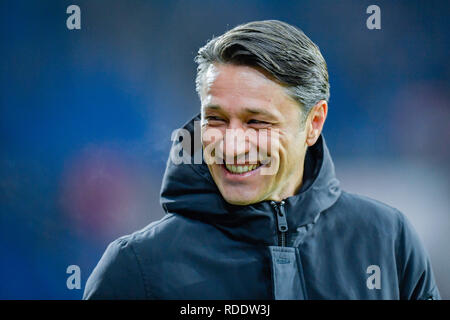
[292, 186]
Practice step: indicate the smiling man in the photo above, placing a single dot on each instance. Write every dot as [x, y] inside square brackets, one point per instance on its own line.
[263, 216]
[241, 98]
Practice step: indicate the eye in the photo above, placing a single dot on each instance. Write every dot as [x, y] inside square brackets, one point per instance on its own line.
[258, 122]
[214, 120]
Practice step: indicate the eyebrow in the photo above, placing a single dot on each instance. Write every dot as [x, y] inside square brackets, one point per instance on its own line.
[255, 111]
[212, 107]
[259, 111]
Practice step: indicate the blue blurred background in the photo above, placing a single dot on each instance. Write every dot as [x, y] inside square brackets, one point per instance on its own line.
[86, 118]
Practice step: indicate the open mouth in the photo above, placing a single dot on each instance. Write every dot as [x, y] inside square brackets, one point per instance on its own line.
[241, 168]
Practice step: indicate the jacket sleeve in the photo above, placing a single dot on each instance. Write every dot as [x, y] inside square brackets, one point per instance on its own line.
[416, 275]
[117, 274]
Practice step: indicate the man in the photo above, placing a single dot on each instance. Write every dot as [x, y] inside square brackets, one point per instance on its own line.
[277, 226]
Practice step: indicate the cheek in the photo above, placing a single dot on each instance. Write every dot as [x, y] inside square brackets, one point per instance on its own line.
[211, 140]
[281, 144]
[269, 141]
[291, 149]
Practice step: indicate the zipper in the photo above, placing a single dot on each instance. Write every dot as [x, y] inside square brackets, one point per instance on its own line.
[282, 226]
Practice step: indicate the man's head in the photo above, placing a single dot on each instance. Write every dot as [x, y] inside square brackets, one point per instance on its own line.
[261, 79]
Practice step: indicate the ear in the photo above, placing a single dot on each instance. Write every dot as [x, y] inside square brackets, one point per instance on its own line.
[315, 122]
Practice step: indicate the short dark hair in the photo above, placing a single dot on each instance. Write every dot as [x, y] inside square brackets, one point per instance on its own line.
[281, 49]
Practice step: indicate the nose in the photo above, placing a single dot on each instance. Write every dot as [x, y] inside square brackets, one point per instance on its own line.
[237, 141]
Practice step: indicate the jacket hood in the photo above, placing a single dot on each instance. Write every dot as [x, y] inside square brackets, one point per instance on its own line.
[189, 190]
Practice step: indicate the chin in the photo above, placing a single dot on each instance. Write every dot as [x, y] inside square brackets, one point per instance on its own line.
[239, 199]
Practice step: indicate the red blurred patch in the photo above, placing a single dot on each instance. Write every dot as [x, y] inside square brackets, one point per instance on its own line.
[98, 192]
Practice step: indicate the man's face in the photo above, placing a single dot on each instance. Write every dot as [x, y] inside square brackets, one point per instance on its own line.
[244, 101]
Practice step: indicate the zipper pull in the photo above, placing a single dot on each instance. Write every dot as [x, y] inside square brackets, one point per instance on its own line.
[281, 216]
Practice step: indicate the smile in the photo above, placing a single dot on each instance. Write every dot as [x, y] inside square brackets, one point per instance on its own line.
[239, 169]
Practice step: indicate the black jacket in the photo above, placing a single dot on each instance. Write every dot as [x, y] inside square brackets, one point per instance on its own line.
[338, 245]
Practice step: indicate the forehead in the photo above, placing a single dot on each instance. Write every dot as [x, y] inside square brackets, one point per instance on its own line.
[235, 86]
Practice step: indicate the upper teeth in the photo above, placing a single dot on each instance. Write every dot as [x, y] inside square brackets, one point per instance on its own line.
[241, 169]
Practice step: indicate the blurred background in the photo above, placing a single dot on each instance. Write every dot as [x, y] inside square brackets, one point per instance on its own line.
[86, 118]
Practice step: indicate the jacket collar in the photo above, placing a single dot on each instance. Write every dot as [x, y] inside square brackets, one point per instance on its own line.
[189, 190]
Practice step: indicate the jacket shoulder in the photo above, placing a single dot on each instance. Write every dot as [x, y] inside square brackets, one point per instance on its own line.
[372, 219]
[119, 274]
[365, 212]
